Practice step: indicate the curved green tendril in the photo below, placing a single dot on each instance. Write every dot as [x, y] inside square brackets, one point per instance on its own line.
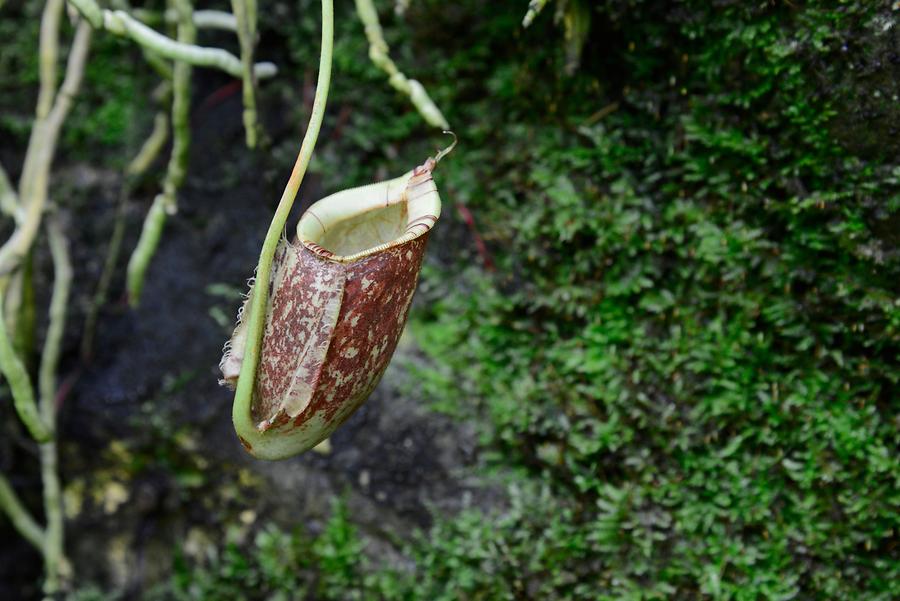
[379, 53]
[259, 295]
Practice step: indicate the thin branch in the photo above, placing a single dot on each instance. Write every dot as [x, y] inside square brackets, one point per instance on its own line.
[214, 19]
[33, 195]
[159, 64]
[39, 156]
[181, 109]
[19, 516]
[106, 275]
[151, 148]
[534, 9]
[245, 15]
[48, 55]
[379, 53]
[151, 232]
[167, 202]
[62, 279]
[120, 23]
[145, 157]
[9, 200]
[20, 385]
[91, 11]
[20, 303]
[203, 19]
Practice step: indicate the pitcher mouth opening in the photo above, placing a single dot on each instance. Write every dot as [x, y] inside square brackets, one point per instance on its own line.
[353, 224]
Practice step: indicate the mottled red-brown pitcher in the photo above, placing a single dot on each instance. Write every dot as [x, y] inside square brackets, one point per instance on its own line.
[339, 300]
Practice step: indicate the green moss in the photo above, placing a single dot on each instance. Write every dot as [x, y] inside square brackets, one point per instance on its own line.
[114, 108]
[685, 362]
[278, 566]
[692, 336]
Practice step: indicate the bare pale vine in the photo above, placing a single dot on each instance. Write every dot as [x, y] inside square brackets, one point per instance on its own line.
[28, 206]
[379, 52]
[166, 203]
[30, 202]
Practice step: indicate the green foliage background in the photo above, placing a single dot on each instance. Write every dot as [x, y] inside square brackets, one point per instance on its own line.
[686, 362]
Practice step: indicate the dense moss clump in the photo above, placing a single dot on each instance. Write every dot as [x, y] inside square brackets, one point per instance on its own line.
[690, 343]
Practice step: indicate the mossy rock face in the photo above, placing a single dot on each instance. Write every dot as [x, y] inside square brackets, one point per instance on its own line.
[860, 75]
